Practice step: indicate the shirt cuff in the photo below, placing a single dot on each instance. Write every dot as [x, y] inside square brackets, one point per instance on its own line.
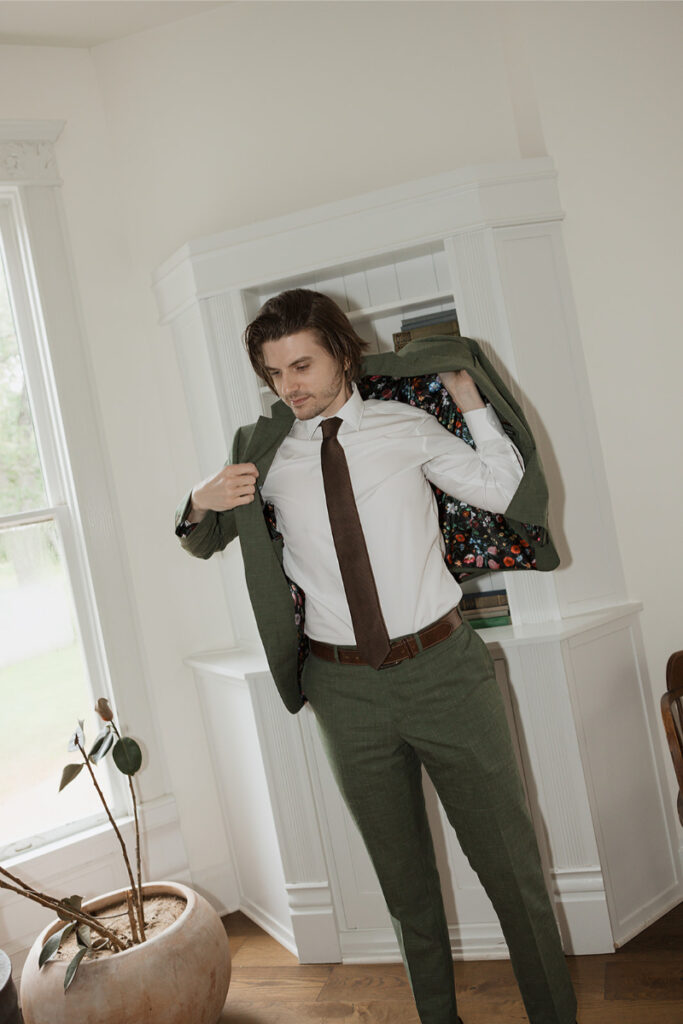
[484, 425]
[185, 528]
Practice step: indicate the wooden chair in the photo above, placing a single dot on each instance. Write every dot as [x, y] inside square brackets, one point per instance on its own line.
[672, 713]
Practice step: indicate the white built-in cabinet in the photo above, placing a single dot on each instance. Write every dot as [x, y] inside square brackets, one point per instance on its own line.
[487, 240]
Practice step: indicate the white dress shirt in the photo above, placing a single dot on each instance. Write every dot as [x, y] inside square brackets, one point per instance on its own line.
[393, 450]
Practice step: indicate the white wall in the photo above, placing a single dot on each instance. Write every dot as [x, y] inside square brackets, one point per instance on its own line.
[256, 109]
[127, 367]
[609, 83]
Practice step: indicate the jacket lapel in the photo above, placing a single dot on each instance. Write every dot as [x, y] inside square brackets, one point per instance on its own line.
[269, 591]
[262, 442]
[266, 437]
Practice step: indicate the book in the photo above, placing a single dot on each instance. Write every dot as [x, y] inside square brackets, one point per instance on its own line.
[498, 620]
[485, 599]
[484, 613]
[443, 327]
[425, 319]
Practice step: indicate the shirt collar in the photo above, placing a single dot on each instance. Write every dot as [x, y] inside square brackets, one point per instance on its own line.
[350, 413]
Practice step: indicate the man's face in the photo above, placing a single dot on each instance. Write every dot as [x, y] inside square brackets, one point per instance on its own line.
[306, 376]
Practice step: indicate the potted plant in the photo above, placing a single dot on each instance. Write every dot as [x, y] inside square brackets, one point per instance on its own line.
[154, 952]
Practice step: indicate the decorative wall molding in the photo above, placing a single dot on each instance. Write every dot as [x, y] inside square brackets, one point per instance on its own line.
[28, 163]
[27, 154]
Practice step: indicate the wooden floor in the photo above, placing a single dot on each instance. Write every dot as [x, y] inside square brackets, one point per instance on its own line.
[641, 983]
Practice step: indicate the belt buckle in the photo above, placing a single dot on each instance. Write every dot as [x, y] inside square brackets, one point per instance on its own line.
[407, 645]
[410, 646]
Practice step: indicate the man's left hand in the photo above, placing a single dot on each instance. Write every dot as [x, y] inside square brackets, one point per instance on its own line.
[462, 389]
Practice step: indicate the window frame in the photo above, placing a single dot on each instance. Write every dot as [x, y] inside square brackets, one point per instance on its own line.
[16, 260]
[53, 335]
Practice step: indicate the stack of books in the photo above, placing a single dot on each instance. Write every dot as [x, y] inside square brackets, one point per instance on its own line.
[445, 322]
[489, 608]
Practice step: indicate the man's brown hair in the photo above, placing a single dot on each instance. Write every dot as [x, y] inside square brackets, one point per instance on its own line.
[301, 309]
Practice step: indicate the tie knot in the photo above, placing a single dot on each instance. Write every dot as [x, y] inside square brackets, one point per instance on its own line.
[330, 426]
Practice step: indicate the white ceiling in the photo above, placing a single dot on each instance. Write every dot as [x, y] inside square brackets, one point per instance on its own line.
[88, 22]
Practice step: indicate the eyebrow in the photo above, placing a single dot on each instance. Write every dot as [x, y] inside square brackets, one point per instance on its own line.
[301, 359]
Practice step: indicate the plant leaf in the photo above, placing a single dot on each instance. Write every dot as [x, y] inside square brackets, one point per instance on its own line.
[83, 936]
[68, 905]
[102, 745]
[69, 774]
[73, 966]
[127, 756]
[52, 944]
[77, 735]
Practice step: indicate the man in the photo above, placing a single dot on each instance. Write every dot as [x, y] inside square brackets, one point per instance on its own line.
[396, 679]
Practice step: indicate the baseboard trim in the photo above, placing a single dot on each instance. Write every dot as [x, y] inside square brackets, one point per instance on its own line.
[647, 915]
[379, 945]
[261, 917]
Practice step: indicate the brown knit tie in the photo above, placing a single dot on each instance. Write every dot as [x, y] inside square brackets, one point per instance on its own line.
[372, 638]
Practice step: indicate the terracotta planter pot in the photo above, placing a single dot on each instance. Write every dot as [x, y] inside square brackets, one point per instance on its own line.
[180, 975]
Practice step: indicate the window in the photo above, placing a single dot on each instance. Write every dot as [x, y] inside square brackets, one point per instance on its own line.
[49, 647]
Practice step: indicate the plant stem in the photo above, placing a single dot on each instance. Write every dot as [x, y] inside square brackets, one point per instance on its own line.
[131, 919]
[140, 906]
[111, 819]
[53, 904]
[137, 857]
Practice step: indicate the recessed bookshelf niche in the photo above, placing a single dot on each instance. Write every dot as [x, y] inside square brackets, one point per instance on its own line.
[377, 295]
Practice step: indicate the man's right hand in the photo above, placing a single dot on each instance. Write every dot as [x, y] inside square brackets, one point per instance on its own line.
[231, 486]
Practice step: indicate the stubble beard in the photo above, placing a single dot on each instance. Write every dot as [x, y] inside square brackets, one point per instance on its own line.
[309, 410]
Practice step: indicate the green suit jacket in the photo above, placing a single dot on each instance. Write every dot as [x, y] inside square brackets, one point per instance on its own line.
[519, 539]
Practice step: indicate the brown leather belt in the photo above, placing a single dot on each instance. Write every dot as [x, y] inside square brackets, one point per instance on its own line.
[406, 647]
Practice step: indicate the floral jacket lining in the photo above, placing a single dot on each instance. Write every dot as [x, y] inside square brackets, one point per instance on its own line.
[476, 540]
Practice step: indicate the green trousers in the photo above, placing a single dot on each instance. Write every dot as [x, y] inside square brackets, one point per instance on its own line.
[441, 709]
